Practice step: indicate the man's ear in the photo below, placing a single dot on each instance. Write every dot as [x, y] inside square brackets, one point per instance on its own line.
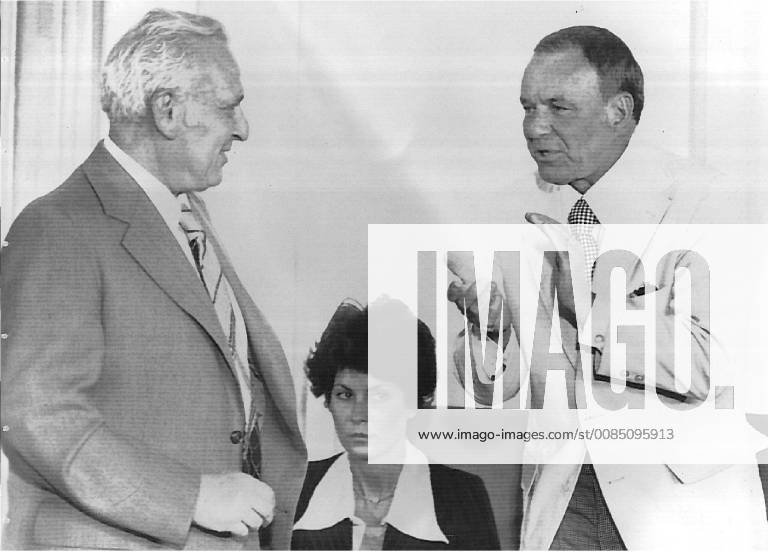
[167, 114]
[619, 110]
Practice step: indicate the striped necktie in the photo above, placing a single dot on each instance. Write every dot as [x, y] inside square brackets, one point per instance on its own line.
[221, 294]
[582, 220]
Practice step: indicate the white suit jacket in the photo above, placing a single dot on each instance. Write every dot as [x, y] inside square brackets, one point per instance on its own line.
[653, 505]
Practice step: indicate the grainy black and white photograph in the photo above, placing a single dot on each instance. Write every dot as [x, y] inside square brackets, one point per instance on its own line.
[342, 275]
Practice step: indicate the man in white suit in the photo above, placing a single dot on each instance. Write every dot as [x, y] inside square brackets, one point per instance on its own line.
[582, 93]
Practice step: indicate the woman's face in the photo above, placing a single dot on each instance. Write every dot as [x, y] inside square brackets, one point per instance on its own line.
[349, 402]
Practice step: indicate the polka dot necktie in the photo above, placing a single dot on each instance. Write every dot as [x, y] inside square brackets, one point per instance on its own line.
[582, 220]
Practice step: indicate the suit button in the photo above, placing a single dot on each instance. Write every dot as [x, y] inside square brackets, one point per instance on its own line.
[639, 378]
[236, 437]
[599, 339]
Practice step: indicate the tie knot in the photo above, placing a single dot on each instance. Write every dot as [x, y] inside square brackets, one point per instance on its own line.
[188, 220]
[581, 213]
[193, 229]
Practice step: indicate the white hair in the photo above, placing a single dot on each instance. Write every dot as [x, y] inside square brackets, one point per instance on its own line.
[162, 52]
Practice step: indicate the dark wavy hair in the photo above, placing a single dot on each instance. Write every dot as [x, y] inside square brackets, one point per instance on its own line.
[607, 54]
[344, 345]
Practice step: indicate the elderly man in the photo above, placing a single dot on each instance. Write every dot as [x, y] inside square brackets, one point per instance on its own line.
[582, 93]
[146, 401]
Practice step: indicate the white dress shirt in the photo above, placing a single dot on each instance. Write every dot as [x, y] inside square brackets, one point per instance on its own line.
[654, 506]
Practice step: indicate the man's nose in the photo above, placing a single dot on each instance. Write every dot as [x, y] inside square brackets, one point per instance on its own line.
[241, 129]
[536, 123]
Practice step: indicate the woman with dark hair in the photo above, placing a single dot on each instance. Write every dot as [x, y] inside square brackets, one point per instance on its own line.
[349, 504]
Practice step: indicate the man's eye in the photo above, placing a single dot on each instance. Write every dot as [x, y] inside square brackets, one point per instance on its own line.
[528, 108]
[343, 395]
[558, 107]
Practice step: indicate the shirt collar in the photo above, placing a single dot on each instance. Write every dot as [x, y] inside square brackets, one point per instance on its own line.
[157, 192]
[636, 189]
[412, 510]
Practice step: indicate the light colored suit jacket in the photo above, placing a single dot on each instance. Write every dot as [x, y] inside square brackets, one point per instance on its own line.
[653, 506]
[656, 506]
[117, 391]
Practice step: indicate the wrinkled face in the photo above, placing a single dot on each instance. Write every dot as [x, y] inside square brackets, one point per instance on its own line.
[213, 119]
[566, 122]
[348, 404]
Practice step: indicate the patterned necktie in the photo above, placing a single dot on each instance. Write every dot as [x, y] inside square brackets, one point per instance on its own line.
[221, 294]
[582, 221]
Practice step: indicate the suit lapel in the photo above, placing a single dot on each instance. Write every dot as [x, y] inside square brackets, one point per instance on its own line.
[148, 240]
[267, 353]
[263, 345]
[568, 333]
[655, 214]
[648, 207]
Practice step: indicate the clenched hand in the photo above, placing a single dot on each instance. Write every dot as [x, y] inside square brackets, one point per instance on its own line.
[234, 502]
